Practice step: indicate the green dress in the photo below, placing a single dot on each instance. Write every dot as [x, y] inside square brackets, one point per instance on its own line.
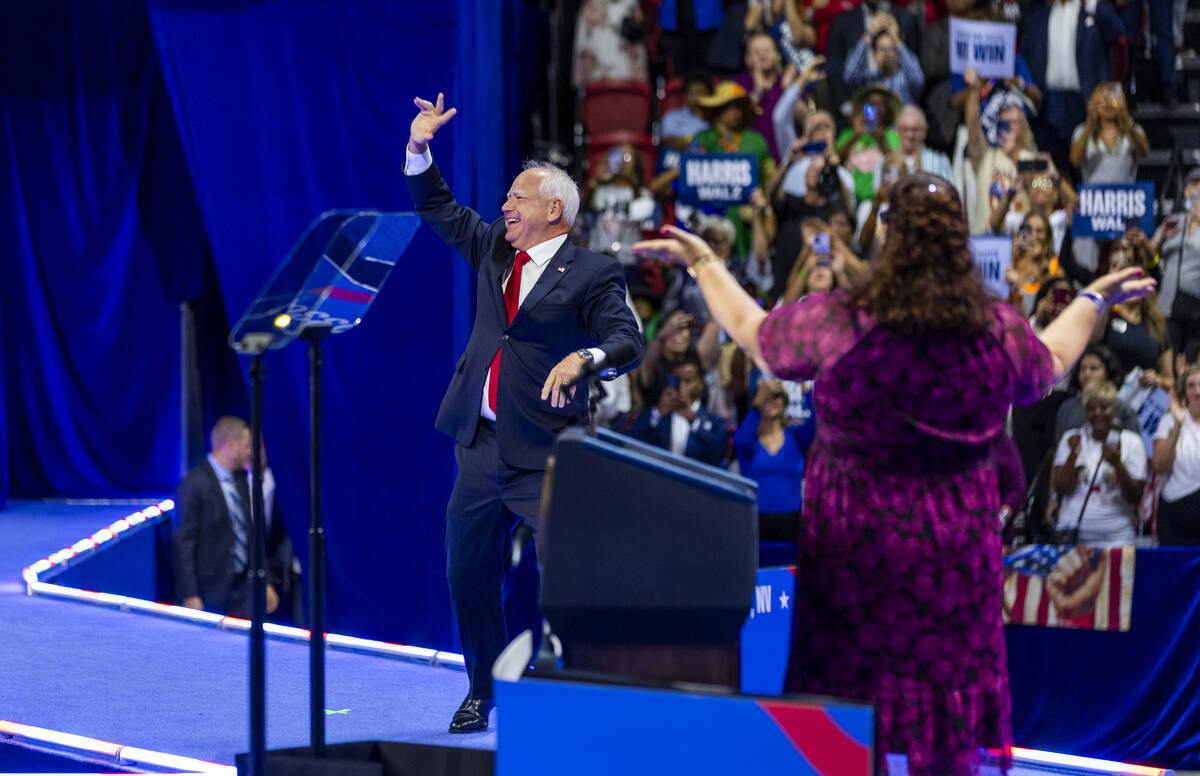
[864, 157]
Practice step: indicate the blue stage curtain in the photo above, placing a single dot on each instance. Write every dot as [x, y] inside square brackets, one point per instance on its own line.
[95, 235]
[286, 109]
[1132, 697]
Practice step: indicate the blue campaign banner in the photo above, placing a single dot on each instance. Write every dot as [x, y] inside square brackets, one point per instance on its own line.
[652, 730]
[766, 635]
[1105, 209]
[717, 180]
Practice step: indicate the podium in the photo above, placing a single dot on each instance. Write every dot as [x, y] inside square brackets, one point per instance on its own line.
[324, 286]
[649, 559]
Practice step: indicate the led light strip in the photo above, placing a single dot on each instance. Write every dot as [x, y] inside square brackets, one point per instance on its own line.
[1097, 765]
[84, 548]
[126, 755]
[1033, 758]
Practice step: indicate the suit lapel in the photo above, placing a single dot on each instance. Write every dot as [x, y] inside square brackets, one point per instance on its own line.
[556, 269]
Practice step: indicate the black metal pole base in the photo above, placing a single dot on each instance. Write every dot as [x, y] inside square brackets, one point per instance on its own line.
[316, 547]
[258, 572]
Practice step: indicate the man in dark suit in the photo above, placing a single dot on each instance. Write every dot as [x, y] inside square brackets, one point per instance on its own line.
[1069, 46]
[212, 527]
[849, 26]
[680, 424]
[545, 310]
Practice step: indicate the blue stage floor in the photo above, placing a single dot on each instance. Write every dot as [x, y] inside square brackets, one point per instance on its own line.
[179, 688]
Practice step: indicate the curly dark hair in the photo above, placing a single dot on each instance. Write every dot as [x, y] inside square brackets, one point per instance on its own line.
[925, 279]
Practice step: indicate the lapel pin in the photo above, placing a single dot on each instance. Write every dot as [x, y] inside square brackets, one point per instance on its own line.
[561, 269]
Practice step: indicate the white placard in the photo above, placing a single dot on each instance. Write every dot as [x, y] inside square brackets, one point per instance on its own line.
[989, 47]
[992, 255]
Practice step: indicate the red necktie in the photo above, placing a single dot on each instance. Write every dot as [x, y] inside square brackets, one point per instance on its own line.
[512, 300]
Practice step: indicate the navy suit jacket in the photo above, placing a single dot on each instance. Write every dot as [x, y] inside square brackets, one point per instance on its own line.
[1095, 33]
[708, 444]
[202, 538]
[578, 302]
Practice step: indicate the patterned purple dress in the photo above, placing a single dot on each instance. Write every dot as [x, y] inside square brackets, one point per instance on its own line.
[898, 578]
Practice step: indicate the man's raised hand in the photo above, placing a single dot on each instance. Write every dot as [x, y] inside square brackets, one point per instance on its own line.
[427, 123]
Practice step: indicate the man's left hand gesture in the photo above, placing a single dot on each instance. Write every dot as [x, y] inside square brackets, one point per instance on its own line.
[564, 372]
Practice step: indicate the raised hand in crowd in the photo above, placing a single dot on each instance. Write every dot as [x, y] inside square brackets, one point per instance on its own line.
[432, 117]
[1166, 230]
[811, 73]
[768, 388]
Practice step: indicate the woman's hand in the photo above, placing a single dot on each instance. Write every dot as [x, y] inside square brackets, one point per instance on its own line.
[1073, 443]
[678, 247]
[1111, 454]
[758, 201]
[1118, 287]
[1178, 411]
[1149, 378]
[767, 387]
[812, 72]
[971, 78]
[675, 323]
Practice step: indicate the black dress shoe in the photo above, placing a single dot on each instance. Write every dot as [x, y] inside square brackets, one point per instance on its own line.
[472, 715]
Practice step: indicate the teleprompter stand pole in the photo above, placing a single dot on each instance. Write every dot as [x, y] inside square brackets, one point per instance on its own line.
[316, 546]
[258, 580]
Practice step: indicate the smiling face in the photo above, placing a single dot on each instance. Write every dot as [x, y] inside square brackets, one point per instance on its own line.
[529, 216]
[761, 54]
[1100, 415]
[1191, 392]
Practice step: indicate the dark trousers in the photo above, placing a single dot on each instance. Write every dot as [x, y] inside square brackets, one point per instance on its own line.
[1163, 43]
[489, 500]
[1184, 335]
[1061, 113]
[1179, 521]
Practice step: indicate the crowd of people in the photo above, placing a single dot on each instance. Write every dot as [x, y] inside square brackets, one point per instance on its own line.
[837, 104]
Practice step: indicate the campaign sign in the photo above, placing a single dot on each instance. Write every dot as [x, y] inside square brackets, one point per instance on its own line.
[1150, 414]
[989, 47]
[1104, 209]
[717, 180]
[992, 255]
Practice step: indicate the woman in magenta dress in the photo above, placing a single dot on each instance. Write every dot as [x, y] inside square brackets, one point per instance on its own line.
[898, 579]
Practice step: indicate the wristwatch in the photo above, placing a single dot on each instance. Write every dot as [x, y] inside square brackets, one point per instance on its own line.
[586, 355]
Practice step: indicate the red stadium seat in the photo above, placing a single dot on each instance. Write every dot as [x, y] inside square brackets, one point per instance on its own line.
[600, 143]
[610, 106]
[674, 97]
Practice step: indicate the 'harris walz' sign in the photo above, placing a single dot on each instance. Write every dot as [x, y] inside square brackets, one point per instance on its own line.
[717, 180]
[1105, 209]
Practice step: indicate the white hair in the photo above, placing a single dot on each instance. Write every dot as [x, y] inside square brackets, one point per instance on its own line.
[717, 226]
[557, 184]
[914, 109]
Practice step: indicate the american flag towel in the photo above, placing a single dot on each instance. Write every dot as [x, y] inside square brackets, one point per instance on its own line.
[1069, 587]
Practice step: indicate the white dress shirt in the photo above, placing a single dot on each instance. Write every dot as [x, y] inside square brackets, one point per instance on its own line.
[1062, 72]
[539, 258]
